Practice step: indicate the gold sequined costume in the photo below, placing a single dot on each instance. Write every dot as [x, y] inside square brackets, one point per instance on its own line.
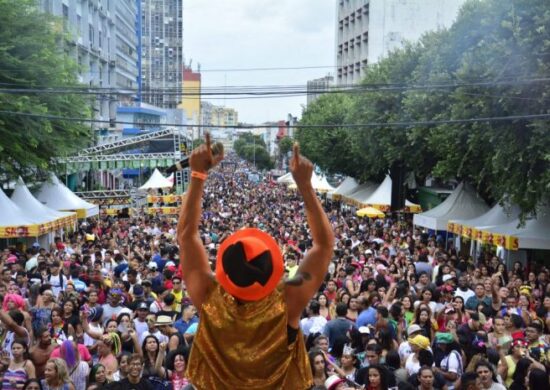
[245, 345]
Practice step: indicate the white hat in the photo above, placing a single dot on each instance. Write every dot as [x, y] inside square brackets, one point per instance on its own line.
[333, 381]
[447, 277]
[152, 265]
[368, 252]
[364, 330]
[413, 328]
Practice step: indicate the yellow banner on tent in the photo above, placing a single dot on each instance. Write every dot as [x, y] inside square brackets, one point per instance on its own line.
[163, 210]
[172, 198]
[503, 240]
[19, 231]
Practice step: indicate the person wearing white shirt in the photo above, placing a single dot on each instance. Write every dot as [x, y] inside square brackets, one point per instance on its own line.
[463, 291]
[315, 322]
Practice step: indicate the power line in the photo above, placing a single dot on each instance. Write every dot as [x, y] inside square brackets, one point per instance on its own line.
[290, 87]
[257, 91]
[354, 125]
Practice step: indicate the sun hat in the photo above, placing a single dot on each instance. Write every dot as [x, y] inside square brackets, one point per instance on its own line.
[249, 264]
[164, 320]
[420, 341]
[413, 329]
[333, 381]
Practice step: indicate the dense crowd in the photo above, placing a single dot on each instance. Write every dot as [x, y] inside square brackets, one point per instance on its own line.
[105, 306]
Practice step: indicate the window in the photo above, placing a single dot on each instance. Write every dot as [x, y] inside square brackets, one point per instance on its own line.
[91, 34]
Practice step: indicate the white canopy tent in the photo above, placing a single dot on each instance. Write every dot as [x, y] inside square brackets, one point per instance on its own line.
[321, 184]
[381, 197]
[286, 179]
[463, 203]
[157, 180]
[348, 186]
[57, 196]
[497, 215]
[23, 198]
[13, 221]
[361, 194]
[534, 234]
[170, 178]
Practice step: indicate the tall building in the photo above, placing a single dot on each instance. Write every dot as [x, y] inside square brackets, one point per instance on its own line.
[103, 41]
[161, 26]
[367, 30]
[191, 102]
[317, 87]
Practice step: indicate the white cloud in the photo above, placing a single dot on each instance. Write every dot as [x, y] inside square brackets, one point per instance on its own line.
[227, 34]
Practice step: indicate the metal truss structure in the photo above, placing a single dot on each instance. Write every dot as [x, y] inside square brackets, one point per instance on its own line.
[130, 142]
[116, 157]
[107, 197]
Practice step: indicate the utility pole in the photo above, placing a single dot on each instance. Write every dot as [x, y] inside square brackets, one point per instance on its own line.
[254, 139]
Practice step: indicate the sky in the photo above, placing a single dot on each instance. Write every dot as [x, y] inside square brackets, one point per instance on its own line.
[244, 34]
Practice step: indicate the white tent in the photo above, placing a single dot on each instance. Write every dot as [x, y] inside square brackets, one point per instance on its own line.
[497, 215]
[381, 197]
[57, 196]
[13, 221]
[23, 198]
[348, 186]
[535, 234]
[321, 184]
[171, 178]
[463, 203]
[286, 179]
[157, 180]
[361, 194]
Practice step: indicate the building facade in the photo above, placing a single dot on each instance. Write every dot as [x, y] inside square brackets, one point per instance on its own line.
[317, 87]
[103, 41]
[191, 99]
[367, 30]
[161, 27]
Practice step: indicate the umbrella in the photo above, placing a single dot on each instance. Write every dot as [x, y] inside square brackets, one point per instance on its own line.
[370, 212]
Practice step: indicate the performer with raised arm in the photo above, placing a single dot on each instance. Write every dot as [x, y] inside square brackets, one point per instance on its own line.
[248, 335]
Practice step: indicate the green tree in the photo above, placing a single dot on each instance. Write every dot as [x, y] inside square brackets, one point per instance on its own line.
[253, 149]
[490, 53]
[331, 146]
[32, 55]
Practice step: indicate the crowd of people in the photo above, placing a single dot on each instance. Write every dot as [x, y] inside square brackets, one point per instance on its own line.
[105, 306]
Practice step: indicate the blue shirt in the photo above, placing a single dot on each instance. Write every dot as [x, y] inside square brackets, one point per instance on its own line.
[182, 325]
[366, 317]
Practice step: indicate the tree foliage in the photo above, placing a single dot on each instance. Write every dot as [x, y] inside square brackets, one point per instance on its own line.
[32, 55]
[253, 149]
[491, 52]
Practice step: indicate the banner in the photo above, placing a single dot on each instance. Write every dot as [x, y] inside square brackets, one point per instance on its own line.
[163, 210]
[172, 198]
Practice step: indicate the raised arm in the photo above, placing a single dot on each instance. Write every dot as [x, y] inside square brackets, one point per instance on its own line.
[195, 269]
[314, 266]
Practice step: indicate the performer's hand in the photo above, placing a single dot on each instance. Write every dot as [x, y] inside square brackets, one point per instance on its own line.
[301, 167]
[201, 159]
